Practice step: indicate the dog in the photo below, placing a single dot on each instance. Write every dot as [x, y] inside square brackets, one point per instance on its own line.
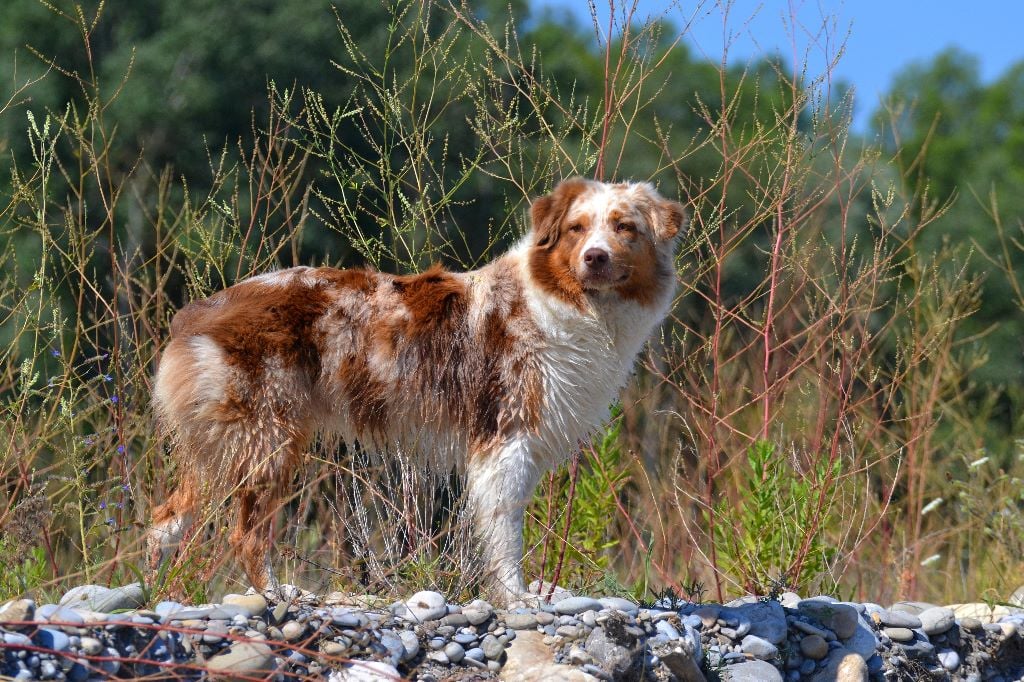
[498, 373]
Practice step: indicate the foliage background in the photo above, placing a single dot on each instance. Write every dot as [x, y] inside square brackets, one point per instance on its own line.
[190, 143]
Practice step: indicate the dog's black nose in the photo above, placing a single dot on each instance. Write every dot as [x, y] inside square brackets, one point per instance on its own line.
[595, 257]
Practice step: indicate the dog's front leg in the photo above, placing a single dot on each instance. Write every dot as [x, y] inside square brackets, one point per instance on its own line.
[500, 483]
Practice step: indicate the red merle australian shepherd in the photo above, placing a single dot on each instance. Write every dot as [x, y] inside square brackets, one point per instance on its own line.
[496, 373]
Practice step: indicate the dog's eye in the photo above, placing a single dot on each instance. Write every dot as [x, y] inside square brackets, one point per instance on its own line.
[625, 227]
[576, 228]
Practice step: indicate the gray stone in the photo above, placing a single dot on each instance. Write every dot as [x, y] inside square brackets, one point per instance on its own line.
[579, 656]
[455, 619]
[573, 605]
[912, 607]
[368, 671]
[293, 631]
[18, 610]
[438, 657]
[840, 618]
[91, 646]
[789, 599]
[544, 618]
[759, 648]
[898, 619]
[215, 632]
[465, 638]
[475, 654]
[949, 659]
[708, 614]
[393, 643]
[346, 618]
[492, 647]
[82, 593]
[62, 614]
[864, 641]
[253, 605]
[119, 599]
[814, 647]
[809, 629]
[333, 648]
[49, 638]
[619, 604]
[937, 620]
[614, 647]
[520, 621]
[411, 643]
[919, 648]
[842, 665]
[667, 629]
[426, 606]
[753, 671]
[568, 631]
[166, 608]
[767, 620]
[454, 652]
[899, 634]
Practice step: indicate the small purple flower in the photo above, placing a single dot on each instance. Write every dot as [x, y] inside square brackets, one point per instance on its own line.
[107, 377]
[103, 505]
[119, 505]
[110, 522]
[54, 352]
[114, 399]
[120, 449]
[125, 486]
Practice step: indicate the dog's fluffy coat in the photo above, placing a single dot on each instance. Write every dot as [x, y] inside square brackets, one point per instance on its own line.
[497, 373]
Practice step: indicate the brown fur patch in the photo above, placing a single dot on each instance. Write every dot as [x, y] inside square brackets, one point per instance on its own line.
[551, 256]
[253, 322]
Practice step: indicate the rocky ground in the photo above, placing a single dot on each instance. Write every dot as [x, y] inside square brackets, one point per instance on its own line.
[96, 632]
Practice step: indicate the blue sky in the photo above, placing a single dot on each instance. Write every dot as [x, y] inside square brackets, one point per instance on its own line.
[881, 36]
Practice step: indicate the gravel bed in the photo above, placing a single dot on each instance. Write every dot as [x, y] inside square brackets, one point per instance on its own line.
[97, 633]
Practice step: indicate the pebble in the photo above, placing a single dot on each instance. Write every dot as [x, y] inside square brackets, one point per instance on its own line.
[426, 606]
[619, 604]
[292, 630]
[454, 652]
[253, 605]
[840, 618]
[521, 621]
[949, 659]
[575, 605]
[248, 658]
[18, 610]
[898, 619]
[603, 636]
[814, 647]
[937, 620]
[899, 634]
[754, 671]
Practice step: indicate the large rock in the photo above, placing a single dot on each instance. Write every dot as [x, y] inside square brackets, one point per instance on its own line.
[425, 606]
[839, 618]
[614, 648]
[767, 619]
[753, 671]
[530, 660]
[242, 661]
[937, 620]
[842, 665]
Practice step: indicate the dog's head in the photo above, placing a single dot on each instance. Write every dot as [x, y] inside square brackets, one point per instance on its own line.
[590, 237]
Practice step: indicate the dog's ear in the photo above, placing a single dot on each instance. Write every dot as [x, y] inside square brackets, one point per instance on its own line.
[548, 212]
[669, 219]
